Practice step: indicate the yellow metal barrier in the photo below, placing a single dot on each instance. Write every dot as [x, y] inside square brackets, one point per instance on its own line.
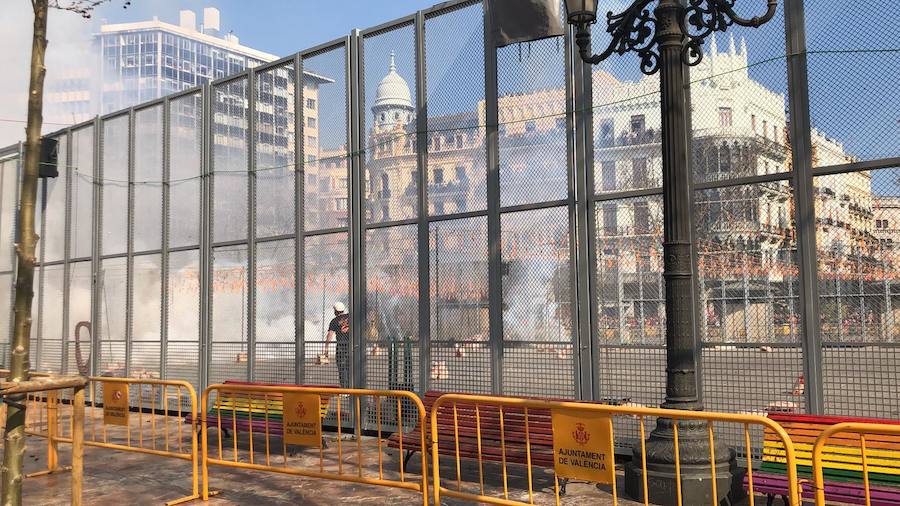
[491, 418]
[882, 457]
[41, 385]
[118, 419]
[274, 418]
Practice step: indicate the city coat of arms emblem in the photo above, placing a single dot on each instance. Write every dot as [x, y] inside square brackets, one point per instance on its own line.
[580, 434]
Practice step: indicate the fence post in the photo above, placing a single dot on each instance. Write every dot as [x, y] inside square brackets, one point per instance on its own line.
[804, 203]
[77, 445]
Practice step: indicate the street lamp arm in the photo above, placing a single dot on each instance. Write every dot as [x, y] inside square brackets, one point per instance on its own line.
[634, 30]
[700, 18]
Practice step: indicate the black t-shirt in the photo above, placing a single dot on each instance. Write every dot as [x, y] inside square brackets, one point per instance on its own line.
[340, 325]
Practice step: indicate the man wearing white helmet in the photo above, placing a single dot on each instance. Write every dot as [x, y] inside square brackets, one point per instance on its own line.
[339, 331]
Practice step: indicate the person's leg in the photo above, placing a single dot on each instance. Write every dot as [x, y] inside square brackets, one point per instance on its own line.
[343, 364]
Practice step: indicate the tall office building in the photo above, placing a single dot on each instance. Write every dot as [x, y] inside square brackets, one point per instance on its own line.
[131, 63]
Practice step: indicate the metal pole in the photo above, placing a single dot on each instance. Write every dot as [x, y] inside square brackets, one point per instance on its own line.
[299, 226]
[97, 243]
[678, 253]
[67, 266]
[129, 249]
[422, 196]
[804, 198]
[164, 253]
[357, 225]
[495, 274]
[251, 226]
[206, 195]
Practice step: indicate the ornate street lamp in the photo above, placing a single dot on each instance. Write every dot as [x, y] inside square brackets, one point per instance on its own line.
[668, 38]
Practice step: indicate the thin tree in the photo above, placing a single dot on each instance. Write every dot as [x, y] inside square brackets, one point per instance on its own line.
[14, 439]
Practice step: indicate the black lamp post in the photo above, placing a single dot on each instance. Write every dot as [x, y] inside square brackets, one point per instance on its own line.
[668, 38]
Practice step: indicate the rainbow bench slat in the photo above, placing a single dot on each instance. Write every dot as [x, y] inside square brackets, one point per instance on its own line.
[842, 462]
[249, 410]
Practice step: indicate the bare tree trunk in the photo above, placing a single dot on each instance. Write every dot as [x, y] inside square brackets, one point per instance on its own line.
[14, 441]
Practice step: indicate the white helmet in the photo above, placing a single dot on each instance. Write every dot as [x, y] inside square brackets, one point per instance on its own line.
[339, 307]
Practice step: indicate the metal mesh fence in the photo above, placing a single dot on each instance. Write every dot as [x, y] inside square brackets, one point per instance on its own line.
[392, 298]
[750, 260]
[148, 176]
[275, 167]
[327, 278]
[537, 303]
[389, 109]
[460, 358]
[854, 61]
[457, 165]
[857, 214]
[325, 147]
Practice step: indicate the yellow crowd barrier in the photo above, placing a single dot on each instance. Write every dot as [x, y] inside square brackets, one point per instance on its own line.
[49, 387]
[128, 414]
[871, 449]
[525, 430]
[265, 422]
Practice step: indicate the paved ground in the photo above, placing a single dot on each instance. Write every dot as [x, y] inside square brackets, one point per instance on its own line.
[117, 478]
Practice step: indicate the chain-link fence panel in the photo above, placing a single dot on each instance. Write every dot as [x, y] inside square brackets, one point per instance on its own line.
[389, 109]
[81, 200]
[53, 208]
[184, 170]
[146, 317]
[78, 331]
[326, 188]
[857, 217]
[229, 313]
[392, 308]
[110, 330]
[531, 107]
[148, 177]
[458, 260]
[230, 156]
[114, 186]
[629, 304]
[854, 65]
[275, 168]
[52, 331]
[538, 316]
[454, 89]
[275, 359]
[327, 282]
[739, 104]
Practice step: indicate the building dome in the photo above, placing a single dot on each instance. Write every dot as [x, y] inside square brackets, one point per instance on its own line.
[393, 90]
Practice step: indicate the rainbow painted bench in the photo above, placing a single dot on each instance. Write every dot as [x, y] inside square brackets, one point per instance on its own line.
[842, 462]
[253, 411]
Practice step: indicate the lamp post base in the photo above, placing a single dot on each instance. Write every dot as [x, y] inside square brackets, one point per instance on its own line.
[696, 477]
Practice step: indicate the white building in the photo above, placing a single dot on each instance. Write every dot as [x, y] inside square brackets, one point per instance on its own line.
[131, 63]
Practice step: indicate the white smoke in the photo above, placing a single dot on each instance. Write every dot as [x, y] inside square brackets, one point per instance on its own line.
[69, 42]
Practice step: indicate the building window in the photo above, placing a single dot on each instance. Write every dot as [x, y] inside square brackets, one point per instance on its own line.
[341, 204]
[438, 176]
[638, 124]
[641, 218]
[753, 122]
[883, 224]
[530, 126]
[396, 116]
[311, 141]
[725, 116]
[608, 175]
[639, 174]
[311, 179]
[610, 220]
[311, 122]
[311, 158]
[765, 128]
[459, 142]
[310, 103]
[149, 59]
